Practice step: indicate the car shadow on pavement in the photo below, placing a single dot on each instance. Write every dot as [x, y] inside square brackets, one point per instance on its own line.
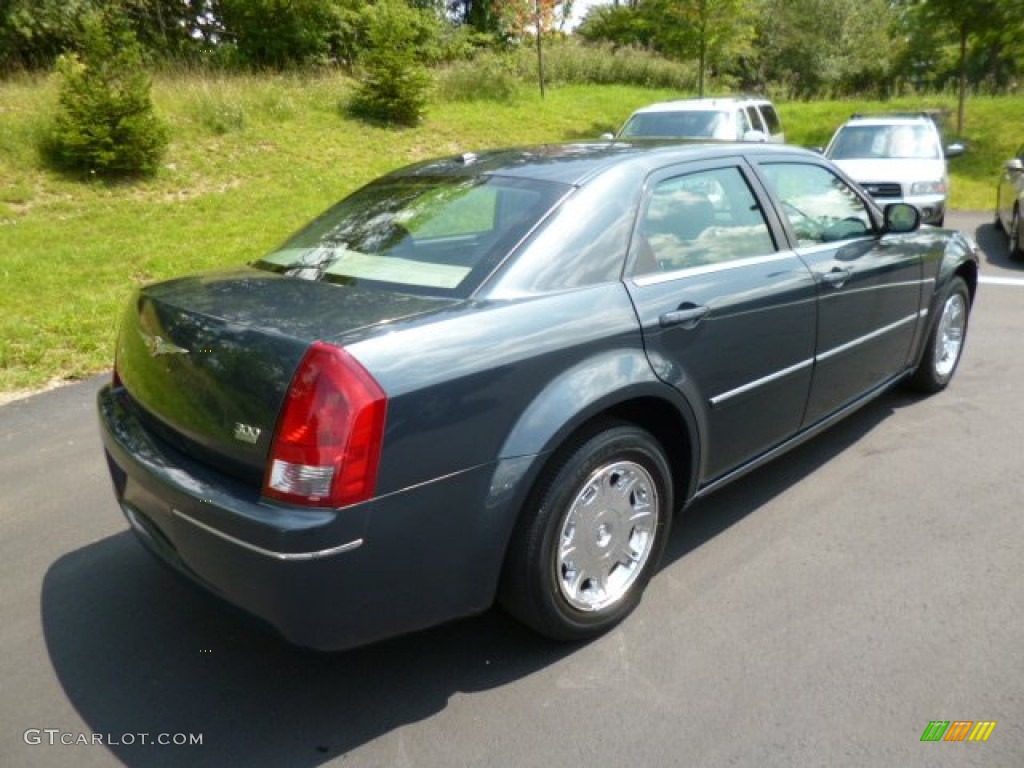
[140, 651]
[708, 517]
[995, 249]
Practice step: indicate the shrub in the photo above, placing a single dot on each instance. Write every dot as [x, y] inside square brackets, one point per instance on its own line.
[104, 123]
[394, 84]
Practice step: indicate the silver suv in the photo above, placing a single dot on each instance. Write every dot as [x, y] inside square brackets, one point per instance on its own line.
[897, 157]
[724, 119]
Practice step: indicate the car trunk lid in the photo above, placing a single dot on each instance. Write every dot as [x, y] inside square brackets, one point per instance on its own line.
[207, 360]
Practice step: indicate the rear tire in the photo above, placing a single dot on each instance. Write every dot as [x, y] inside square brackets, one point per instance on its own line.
[945, 342]
[1014, 237]
[592, 534]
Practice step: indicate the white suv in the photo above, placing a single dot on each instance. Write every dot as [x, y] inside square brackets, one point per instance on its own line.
[726, 119]
[897, 158]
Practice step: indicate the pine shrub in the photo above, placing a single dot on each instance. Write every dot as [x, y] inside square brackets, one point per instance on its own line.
[394, 85]
[104, 123]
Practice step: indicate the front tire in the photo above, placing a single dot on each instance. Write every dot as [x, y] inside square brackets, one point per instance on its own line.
[946, 342]
[592, 535]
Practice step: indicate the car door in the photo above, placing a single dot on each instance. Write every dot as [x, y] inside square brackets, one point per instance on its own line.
[869, 287]
[728, 318]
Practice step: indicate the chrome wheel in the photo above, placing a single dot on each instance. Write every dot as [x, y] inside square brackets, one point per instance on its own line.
[592, 534]
[946, 338]
[950, 335]
[607, 535]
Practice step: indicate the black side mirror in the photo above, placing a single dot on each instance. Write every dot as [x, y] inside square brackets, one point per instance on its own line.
[901, 218]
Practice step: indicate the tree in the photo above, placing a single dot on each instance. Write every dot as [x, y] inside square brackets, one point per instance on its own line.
[715, 33]
[825, 46]
[710, 31]
[479, 14]
[291, 33]
[966, 19]
[169, 29]
[524, 18]
[619, 25]
[33, 33]
[105, 124]
[395, 83]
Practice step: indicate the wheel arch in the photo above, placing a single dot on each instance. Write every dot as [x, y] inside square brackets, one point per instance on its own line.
[653, 407]
[629, 391]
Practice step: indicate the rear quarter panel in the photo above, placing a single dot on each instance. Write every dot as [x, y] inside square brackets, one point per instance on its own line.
[492, 380]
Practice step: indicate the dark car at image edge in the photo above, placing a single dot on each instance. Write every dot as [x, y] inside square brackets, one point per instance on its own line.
[498, 377]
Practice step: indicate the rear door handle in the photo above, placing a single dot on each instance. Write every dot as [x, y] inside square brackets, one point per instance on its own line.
[689, 316]
[836, 278]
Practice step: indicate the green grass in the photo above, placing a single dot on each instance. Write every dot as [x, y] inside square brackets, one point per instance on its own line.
[253, 158]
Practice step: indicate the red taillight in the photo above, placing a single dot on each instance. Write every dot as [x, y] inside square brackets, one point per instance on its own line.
[326, 449]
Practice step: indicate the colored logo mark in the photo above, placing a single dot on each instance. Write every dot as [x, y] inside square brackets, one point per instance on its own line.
[958, 730]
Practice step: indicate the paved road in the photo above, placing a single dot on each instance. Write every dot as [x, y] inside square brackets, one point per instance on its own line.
[820, 612]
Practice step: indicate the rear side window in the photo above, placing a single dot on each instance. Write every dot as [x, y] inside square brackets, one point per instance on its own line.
[755, 119]
[701, 218]
[771, 119]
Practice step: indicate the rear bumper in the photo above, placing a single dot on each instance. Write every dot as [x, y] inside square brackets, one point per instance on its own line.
[325, 579]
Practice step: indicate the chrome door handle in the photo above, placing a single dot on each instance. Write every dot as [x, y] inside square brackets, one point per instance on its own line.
[836, 278]
[688, 316]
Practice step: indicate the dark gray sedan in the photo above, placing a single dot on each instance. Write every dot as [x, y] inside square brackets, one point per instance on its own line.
[499, 376]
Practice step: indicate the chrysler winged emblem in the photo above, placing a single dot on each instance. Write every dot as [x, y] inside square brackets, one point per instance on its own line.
[247, 433]
[157, 345]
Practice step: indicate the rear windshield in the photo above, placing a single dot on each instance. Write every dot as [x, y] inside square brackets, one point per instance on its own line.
[437, 235]
[863, 142]
[709, 124]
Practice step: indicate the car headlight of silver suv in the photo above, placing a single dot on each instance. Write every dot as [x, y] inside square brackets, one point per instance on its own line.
[937, 187]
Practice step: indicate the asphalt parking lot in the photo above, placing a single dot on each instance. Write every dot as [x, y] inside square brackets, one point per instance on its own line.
[820, 612]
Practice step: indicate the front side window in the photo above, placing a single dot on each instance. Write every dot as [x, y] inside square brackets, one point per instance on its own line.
[820, 206]
[438, 234]
[698, 219]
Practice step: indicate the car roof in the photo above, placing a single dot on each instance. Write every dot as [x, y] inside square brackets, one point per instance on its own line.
[897, 118]
[684, 105]
[575, 164]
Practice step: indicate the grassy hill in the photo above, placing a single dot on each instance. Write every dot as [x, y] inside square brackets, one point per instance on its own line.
[252, 158]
